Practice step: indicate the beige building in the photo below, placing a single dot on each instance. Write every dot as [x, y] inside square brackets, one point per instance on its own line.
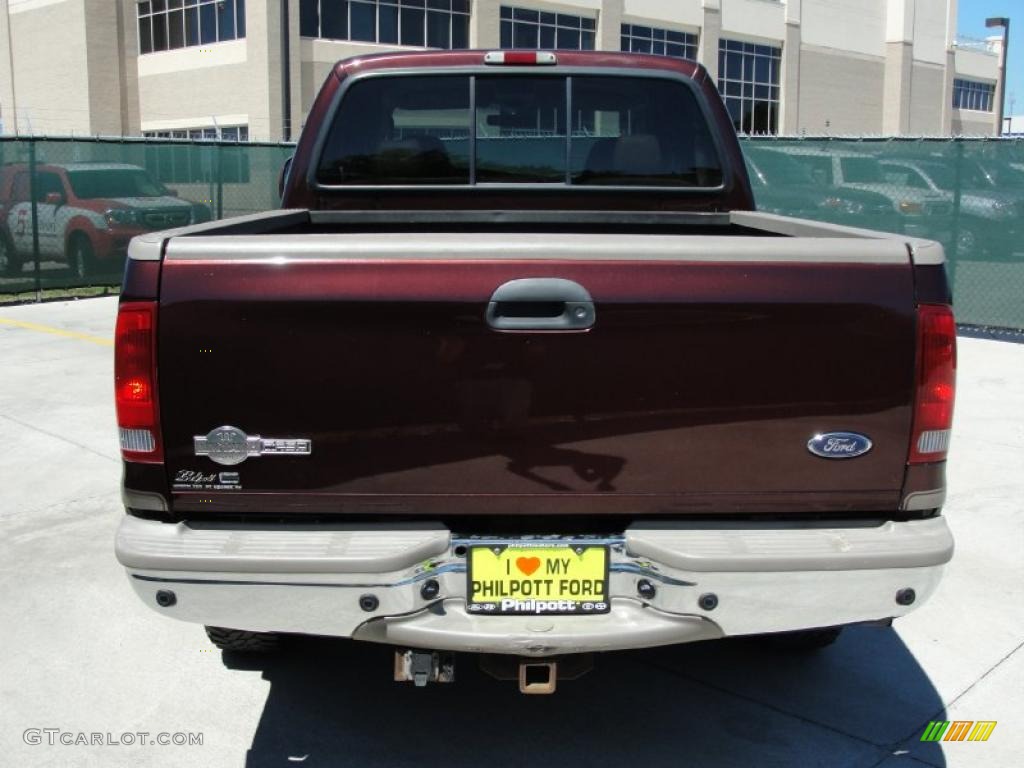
[249, 69]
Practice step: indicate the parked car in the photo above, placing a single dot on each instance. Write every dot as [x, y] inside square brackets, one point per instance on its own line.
[784, 186]
[86, 213]
[495, 386]
[990, 217]
[921, 213]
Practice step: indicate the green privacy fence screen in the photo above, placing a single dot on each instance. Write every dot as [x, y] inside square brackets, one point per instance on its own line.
[68, 206]
[967, 194]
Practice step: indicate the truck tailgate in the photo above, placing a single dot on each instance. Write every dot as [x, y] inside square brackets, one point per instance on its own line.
[711, 363]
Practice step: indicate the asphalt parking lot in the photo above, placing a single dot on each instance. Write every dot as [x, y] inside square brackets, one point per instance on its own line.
[81, 654]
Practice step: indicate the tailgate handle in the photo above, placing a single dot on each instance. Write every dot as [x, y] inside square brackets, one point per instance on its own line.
[541, 304]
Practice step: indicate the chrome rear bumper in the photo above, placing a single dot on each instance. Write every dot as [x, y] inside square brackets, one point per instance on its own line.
[766, 578]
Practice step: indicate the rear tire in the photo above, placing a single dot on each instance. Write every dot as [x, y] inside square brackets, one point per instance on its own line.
[10, 262]
[241, 641]
[803, 641]
[81, 256]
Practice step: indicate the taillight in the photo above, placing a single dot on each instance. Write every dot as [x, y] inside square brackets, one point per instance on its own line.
[135, 393]
[936, 383]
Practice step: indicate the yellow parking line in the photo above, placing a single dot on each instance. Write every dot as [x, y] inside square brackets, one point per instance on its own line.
[57, 331]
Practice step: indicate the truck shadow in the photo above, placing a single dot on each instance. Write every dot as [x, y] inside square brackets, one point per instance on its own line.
[594, 468]
[734, 702]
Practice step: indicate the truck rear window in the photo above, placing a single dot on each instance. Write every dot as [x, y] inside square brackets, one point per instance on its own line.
[581, 130]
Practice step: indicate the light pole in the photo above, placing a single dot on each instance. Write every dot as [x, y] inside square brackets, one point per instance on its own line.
[10, 63]
[1001, 21]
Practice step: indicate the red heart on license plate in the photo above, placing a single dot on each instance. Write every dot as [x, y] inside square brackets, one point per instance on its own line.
[528, 564]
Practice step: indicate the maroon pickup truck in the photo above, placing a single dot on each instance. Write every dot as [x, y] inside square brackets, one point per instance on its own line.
[518, 370]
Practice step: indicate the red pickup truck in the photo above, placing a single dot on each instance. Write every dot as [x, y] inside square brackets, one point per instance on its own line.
[519, 371]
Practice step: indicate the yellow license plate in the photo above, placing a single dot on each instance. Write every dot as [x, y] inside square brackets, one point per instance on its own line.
[549, 579]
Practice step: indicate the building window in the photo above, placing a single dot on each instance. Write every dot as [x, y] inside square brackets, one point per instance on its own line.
[664, 42]
[168, 24]
[224, 133]
[748, 79]
[423, 23]
[970, 94]
[524, 28]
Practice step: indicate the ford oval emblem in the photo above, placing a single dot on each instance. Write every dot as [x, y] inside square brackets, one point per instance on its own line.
[839, 445]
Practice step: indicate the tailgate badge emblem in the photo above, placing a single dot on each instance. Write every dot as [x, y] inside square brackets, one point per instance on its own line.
[839, 445]
[230, 446]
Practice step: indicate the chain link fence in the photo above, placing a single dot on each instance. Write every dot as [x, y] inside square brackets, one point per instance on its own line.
[69, 206]
[968, 194]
